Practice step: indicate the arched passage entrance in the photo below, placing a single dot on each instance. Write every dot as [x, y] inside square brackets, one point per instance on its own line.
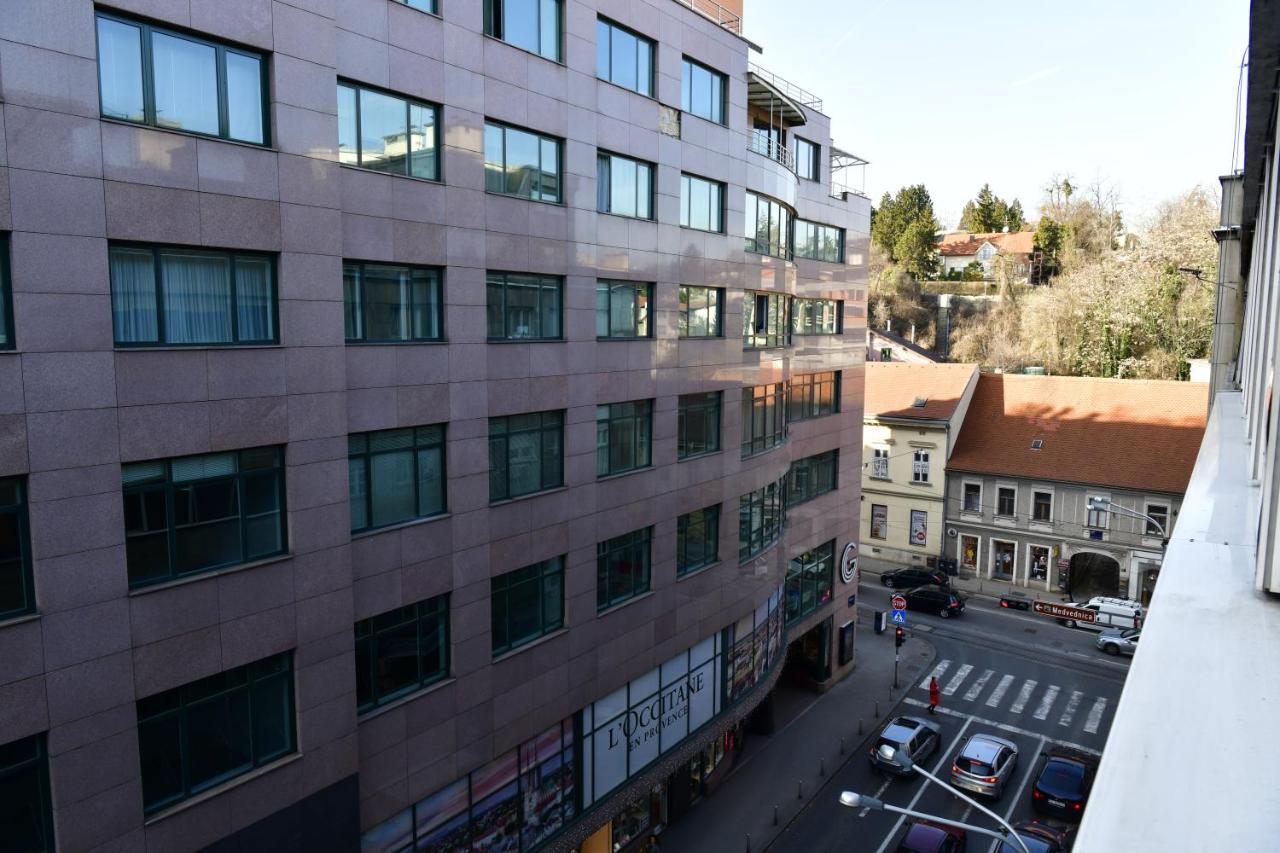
[1093, 574]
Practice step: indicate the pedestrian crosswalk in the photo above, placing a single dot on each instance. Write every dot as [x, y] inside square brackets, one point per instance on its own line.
[1040, 701]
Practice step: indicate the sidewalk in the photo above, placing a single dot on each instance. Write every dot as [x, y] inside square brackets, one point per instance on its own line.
[773, 769]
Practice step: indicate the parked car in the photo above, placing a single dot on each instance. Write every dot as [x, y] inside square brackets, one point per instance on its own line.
[1117, 613]
[924, 837]
[929, 599]
[985, 765]
[919, 738]
[1014, 600]
[1119, 642]
[907, 578]
[1039, 838]
[1062, 787]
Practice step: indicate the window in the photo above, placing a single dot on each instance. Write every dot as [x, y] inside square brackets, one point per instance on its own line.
[920, 466]
[624, 58]
[1158, 513]
[191, 297]
[6, 297]
[622, 568]
[401, 651]
[623, 309]
[817, 316]
[764, 320]
[17, 595]
[768, 226]
[624, 186]
[700, 312]
[524, 307]
[199, 513]
[807, 164]
[698, 430]
[623, 435]
[972, 497]
[879, 521]
[526, 454]
[697, 539]
[387, 134]
[762, 514]
[388, 303]
[810, 579]
[527, 604]
[1097, 518]
[178, 81]
[701, 204]
[1005, 501]
[422, 5]
[768, 140]
[813, 395]
[702, 91]
[521, 163]
[763, 423]
[880, 463]
[530, 24]
[812, 477]
[203, 733]
[886, 354]
[395, 475]
[26, 812]
[1042, 506]
[819, 242]
[918, 535]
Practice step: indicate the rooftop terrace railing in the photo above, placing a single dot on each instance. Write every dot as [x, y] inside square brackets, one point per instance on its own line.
[716, 12]
[802, 96]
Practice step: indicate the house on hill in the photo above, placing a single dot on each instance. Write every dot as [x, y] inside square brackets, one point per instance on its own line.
[957, 250]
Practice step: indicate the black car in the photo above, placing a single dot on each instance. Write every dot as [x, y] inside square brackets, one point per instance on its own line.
[1039, 838]
[930, 599]
[908, 578]
[1062, 787]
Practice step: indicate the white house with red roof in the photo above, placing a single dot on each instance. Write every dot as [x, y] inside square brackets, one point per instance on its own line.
[958, 249]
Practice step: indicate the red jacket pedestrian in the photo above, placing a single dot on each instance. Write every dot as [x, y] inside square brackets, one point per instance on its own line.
[935, 695]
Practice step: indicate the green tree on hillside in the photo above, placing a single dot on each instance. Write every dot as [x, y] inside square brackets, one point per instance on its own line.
[987, 213]
[904, 227]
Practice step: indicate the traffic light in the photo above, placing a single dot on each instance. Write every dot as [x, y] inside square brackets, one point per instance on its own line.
[899, 636]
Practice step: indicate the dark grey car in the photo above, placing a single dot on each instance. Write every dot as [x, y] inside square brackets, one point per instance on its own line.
[985, 765]
[918, 738]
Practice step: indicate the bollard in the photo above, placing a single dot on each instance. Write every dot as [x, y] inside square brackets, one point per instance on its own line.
[859, 726]
[800, 790]
[748, 842]
[842, 744]
[877, 709]
[775, 814]
[822, 767]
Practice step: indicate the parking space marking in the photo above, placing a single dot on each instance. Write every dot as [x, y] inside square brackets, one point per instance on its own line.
[996, 695]
[879, 793]
[943, 758]
[937, 673]
[1070, 712]
[1024, 696]
[974, 691]
[954, 684]
[1095, 716]
[1017, 795]
[1046, 702]
[1006, 727]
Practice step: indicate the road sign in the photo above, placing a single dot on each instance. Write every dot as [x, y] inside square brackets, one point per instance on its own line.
[899, 617]
[898, 602]
[1064, 611]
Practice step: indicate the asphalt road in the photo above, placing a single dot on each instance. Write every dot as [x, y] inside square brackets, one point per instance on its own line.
[1016, 675]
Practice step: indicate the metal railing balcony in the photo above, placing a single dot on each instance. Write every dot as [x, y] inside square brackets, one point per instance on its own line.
[838, 190]
[791, 90]
[716, 12]
[767, 147]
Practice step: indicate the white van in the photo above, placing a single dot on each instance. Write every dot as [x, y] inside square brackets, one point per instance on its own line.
[1112, 613]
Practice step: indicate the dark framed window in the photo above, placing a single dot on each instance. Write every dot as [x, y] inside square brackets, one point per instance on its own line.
[523, 307]
[527, 604]
[816, 395]
[812, 477]
[920, 466]
[177, 81]
[533, 25]
[526, 454]
[6, 297]
[201, 734]
[762, 515]
[401, 651]
[1006, 499]
[817, 316]
[698, 427]
[768, 139]
[972, 497]
[765, 320]
[622, 567]
[26, 811]
[701, 310]
[1160, 514]
[521, 163]
[697, 539]
[764, 423]
[701, 204]
[819, 242]
[879, 521]
[624, 186]
[421, 5]
[886, 354]
[17, 593]
[624, 57]
[624, 309]
[702, 91]
[808, 166]
[195, 514]
[386, 303]
[624, 433]
[396, 475]
[1042, 506]
[768, 226]
[810, 580]
[175, 296]
[387, 133]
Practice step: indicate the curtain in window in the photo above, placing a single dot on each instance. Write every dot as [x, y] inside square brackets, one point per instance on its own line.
[197, 303]
[133, 296]
[253, 299]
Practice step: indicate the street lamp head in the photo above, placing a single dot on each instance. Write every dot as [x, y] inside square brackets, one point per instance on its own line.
[896, 757]
[855, 800]
[1098, 502]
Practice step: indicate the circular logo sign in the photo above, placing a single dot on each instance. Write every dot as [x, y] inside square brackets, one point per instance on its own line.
[849, 563]
[899, 603]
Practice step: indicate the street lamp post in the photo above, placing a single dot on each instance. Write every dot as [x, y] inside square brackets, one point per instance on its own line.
[1101, 504]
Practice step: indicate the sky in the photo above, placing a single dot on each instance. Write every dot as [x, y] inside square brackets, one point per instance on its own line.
[1137, 94]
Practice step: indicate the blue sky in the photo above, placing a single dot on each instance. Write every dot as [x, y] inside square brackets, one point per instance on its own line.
[1139, 93]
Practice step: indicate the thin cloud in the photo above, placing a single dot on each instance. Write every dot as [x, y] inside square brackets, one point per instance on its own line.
[1036, 75]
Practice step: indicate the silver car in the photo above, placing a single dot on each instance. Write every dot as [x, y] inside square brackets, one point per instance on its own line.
[919, 738]
[985, 765]
[1119, 642]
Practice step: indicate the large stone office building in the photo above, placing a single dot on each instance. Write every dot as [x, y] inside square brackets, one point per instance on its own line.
[403, 439]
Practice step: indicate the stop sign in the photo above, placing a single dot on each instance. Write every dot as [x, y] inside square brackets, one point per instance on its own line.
[899, 603]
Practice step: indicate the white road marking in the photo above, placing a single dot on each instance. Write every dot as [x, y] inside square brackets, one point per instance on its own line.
[1017, 795]
[944, 755]
[1095, 716]
[1024, 696]
[1001, 726]
[954, 684]
[1069, 714]
[879, 793]
[937, 673]
[972, 692]
[993, 701]
[1047, 702]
